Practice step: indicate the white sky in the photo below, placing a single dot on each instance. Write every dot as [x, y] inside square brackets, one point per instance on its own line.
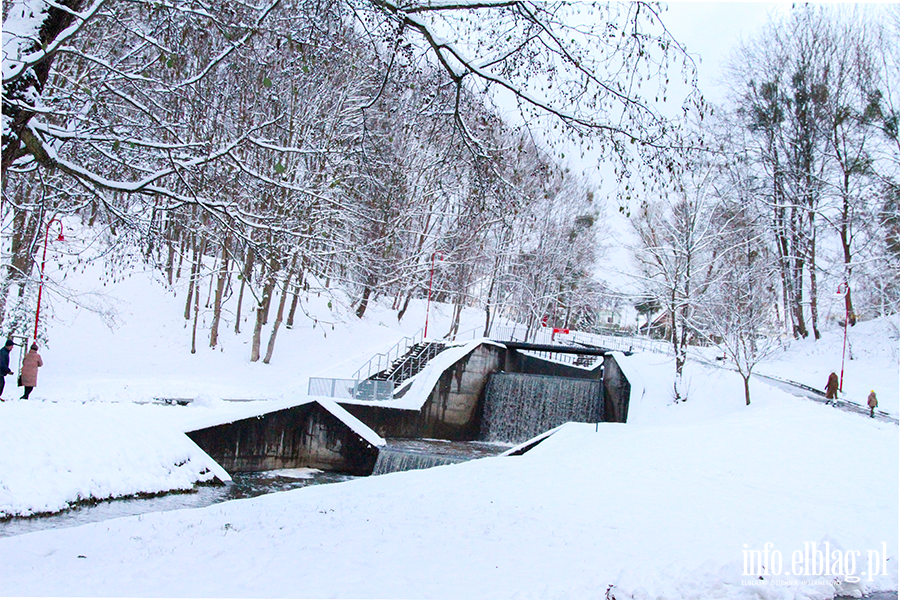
[710, 30]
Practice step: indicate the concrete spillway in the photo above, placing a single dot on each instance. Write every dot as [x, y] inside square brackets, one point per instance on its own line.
[519, 406]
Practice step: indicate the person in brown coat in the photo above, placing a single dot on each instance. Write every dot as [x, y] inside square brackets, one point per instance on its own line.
[831, 388]
[30, 365]
[873, 402]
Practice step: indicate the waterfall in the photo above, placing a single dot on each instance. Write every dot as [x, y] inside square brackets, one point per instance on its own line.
[409, 454]
[518, 406]
[393, 460]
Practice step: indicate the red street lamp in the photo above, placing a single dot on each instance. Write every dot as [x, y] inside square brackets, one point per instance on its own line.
[843, 290]
[430, 281]
[37, 314]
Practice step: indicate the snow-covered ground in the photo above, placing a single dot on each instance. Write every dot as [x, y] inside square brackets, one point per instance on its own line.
[870, 362]
[674, 504]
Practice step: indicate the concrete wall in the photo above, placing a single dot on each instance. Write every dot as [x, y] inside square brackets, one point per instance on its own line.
[451, 412]
[302, 436]
[616, 392]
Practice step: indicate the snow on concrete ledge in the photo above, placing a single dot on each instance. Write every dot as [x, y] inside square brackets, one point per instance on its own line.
[358, 427]
[237, 412]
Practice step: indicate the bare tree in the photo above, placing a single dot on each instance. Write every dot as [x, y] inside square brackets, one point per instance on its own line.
[677, 257]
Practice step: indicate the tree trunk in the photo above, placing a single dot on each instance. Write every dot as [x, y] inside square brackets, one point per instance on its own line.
[845, 245]
[278, 316]
[678, 347]
[196, 318]
[295, 300]
[746, 388]
[262, 309]
[195, 271]
[211, 280]
[245, 278]
[364, 301]
[24, 226]
[220, 291]
[185, 239]
[813, 281]
[405, 306]
[170, 262]
[18, 94]
[490, 298]
[796, 278]
[454, 324]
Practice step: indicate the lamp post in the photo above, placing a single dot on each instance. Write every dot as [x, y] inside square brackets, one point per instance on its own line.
[843, 290]
[430, 281]
[37, 314]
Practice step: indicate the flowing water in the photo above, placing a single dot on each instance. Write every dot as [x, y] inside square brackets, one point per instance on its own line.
[518, 407]
[243, 485]
[407, 455]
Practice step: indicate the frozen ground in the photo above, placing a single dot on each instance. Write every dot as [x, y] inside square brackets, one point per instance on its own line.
[668, 506]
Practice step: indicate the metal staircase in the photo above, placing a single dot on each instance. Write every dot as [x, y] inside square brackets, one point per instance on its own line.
[409, 364]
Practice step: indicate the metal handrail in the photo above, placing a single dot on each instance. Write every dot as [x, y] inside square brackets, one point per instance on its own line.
[412, 364]
[407, 342]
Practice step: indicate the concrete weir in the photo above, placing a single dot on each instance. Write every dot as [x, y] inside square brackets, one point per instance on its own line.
[528, 395]
[313, 434]
[455, 408]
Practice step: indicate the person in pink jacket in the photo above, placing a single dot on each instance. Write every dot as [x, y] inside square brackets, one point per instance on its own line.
[30, 370]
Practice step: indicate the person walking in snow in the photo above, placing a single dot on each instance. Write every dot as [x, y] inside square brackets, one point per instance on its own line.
[4, 364]
[30, 365]
[831, 388]
[873, 402]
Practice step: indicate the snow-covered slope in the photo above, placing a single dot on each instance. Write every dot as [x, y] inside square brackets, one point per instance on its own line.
[666, 506]
[871, 362]
[656, 511]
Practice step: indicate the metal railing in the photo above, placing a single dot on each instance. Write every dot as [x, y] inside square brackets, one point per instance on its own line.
[382, 361]
[351, 389]
[413, 363]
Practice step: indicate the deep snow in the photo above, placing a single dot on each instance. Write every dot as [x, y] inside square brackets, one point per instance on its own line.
[660, 507]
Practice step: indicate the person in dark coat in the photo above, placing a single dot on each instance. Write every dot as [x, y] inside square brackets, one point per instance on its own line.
[30, 365]
[831, 388]
[873, 402]
[4, 364]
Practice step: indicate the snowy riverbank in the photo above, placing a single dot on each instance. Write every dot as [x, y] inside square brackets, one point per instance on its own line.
[670, 505]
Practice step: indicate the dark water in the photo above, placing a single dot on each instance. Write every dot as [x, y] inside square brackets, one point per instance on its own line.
[875, 596]
[398, 455]
[244, 485]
